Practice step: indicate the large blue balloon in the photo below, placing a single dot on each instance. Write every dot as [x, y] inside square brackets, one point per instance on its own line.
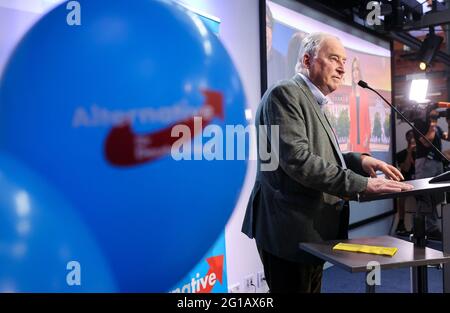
[91, 108]
[40, 235]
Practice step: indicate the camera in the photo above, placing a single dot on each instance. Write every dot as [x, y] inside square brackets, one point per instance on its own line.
[444, 113]
[423, 112]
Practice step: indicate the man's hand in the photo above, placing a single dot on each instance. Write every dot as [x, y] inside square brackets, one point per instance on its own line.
[382, 185]
[371, 166]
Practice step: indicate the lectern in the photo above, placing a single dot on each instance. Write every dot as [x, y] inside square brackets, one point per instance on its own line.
[415, 255]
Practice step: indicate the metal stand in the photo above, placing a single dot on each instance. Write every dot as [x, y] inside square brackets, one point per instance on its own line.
[446, 245]
[419, 274]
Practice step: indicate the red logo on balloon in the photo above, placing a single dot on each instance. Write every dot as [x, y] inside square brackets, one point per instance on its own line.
[123, 147]
[216, 268]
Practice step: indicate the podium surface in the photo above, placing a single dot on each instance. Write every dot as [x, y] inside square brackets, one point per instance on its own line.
[421, 186]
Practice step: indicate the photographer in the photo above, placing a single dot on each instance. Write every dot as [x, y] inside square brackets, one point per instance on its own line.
[429, 164]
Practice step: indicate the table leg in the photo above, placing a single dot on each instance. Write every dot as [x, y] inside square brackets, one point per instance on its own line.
[419, 279]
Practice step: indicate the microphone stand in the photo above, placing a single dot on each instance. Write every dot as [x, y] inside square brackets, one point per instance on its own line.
[419, 230]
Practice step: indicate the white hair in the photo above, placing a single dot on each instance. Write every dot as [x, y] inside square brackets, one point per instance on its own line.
[310, 45]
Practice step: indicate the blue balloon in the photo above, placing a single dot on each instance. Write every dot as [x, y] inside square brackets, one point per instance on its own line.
[92, 107]
[44, 245]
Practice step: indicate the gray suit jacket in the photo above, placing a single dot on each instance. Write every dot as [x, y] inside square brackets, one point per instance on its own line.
[300, 201]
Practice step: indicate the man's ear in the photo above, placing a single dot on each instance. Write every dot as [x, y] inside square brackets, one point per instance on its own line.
[306, 60]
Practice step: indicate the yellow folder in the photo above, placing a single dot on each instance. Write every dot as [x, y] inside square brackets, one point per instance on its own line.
[389, 251]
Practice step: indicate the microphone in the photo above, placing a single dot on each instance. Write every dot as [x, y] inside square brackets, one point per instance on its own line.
[363, 84]
[442, 177]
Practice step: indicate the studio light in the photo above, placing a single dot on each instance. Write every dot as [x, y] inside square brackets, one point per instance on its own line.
[418, 90]
[423, 66]
[429, 47]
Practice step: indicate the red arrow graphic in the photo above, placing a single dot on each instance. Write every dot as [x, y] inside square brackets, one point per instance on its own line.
[125, 148]
[216, 267]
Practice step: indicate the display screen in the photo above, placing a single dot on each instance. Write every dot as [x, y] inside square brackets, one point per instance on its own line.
[360, 119]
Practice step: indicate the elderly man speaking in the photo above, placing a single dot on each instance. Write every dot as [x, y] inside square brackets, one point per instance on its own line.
[302, 199]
